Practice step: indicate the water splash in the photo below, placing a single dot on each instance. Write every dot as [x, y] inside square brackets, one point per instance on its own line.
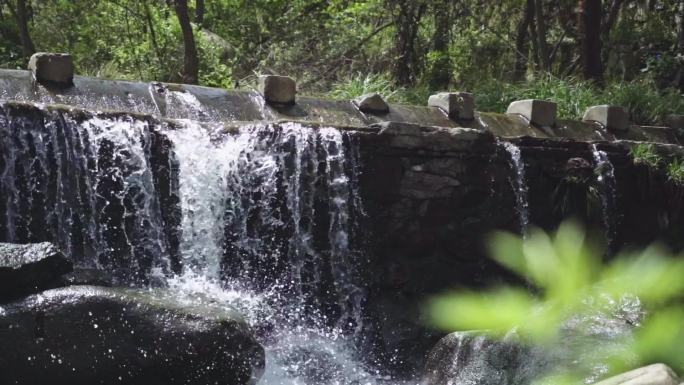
[270, 190]
[519, 185]
[203, 177]
[605, 176]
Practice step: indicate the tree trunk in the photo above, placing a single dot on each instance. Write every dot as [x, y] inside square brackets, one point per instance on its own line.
[440, 73]
[613, 14]
[680, 28]
[521, 43]
[535, 45]
[190, 60]
[590, 22]
[680, 43]
[199, 12]
[407, 20]
[544, 58]
[20, 15]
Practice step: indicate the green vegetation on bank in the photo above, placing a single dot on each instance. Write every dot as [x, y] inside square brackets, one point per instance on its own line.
[645, 153]
[629, 53]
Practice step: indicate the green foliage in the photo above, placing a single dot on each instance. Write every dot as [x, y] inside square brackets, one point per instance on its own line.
[343, 48]
[646, 104]
[363, 84]
[675, 171]
[645, 153]
[566, 270]
[383, 85]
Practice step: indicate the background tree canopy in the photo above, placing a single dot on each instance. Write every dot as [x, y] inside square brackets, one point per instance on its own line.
[577, 52]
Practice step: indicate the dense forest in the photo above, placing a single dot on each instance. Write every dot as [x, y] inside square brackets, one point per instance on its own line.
[576, 52]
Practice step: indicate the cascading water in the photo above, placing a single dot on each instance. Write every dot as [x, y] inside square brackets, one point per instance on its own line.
[519, 185]
[264, 201]
[85, 184]
[265, 220]
[605, 176]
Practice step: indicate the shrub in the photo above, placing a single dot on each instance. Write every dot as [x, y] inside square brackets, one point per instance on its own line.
[675, 170]
[644, 153]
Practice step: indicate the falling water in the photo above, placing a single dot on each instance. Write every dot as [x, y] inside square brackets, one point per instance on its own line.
[86, 185]
[263, 201]
[519, 185]
[605, 176]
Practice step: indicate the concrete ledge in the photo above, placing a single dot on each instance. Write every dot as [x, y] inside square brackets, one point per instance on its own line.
[613, 118]
[216, 105]
[55, 68]
[458, 105]
[538, 112]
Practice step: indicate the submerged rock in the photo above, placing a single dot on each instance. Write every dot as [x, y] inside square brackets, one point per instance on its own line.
[472, 358]
[28, 268]
[88, 335]
[656, 374]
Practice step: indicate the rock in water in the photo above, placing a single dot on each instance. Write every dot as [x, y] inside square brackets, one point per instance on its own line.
[472, 358]
[88, 335]
[29, 268]
[656, 374]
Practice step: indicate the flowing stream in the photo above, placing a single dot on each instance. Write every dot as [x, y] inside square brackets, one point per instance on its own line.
[519, 185]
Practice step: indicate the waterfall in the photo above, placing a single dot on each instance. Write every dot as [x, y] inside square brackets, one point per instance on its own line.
[86, 184]
[519, 185]
[272, 211]
[605, 176]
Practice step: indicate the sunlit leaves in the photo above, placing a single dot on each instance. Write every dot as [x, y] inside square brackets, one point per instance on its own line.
[567, 275]
[498, 311]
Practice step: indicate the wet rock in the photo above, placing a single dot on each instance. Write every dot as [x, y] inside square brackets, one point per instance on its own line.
[29, 268]
[432, 139]
[579, 169]
[472, 358]
[55, 68]
[656, 374]
[85, 276]
[88, 335]
[372, 103]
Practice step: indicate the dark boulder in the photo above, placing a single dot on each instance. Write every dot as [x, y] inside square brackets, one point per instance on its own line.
[29, 268]
[473, 358]
[89, 335]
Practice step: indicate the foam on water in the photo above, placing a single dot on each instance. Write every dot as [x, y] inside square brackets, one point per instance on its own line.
[232, 189]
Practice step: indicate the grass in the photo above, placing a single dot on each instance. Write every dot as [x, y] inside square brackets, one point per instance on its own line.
[646, 104]
[644, 153]
[675, 171]
[379, 83]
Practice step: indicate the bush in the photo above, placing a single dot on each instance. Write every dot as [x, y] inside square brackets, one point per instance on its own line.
[644, 153]
[675, 171]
